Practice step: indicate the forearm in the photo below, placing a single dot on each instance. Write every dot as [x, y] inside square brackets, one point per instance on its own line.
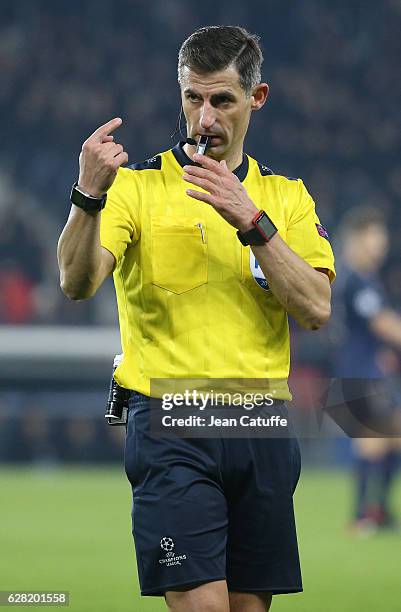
[387, 326]
[79, 254]
[302, 291]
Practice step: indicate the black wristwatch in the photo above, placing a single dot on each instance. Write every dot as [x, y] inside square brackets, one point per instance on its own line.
[263, 231]
[85, 200]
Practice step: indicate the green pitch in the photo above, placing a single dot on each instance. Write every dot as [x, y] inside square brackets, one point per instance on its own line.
[71, 530]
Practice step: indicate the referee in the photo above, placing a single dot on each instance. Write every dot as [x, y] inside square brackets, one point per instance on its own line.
[209, 254]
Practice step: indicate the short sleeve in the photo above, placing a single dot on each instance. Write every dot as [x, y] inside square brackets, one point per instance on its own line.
[120, 221]
[306, 235]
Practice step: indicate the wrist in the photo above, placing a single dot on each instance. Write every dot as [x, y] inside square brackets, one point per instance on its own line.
[262, 232]
[89, 191]
[246, 223]
[86, 200]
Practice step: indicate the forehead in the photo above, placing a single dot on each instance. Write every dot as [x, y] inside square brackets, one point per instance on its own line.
[227, 79]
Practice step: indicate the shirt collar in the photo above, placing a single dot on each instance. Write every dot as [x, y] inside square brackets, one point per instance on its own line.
[184, 160]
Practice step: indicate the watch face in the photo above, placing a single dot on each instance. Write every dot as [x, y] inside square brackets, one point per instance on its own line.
[266, 226]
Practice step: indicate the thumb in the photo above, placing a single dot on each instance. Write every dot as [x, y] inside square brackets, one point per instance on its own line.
[223, 163]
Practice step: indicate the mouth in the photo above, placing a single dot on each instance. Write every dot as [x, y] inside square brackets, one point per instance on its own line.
[213, 139]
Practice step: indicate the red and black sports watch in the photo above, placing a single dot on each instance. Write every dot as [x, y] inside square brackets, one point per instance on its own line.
[263, 231]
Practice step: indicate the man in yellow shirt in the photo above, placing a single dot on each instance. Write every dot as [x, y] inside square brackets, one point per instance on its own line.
[209, 254]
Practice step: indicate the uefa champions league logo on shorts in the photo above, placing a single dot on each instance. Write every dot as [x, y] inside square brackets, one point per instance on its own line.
[167, 544]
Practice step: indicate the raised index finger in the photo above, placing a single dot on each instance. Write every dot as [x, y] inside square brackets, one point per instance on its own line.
[107, 128]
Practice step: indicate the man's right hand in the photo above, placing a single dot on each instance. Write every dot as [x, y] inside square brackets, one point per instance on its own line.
[100, 159]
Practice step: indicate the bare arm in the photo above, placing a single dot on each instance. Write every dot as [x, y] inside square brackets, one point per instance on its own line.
[386, 325]
[84, 264]
[303, 291]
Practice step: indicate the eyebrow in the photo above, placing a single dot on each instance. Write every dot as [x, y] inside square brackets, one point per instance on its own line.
[215, 97]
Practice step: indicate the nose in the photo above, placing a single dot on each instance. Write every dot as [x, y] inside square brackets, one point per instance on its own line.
[207, 117]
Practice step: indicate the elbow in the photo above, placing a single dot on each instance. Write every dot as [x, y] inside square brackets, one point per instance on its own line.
[71, 293]
[320, 317]
[316, 317]
[76, 292]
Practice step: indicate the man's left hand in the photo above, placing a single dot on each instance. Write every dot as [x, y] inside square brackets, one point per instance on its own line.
[224, 191]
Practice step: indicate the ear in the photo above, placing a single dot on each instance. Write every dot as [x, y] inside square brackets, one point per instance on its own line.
[259, 96]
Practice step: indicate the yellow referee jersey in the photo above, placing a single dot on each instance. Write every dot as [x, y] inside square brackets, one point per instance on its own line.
[192, 301]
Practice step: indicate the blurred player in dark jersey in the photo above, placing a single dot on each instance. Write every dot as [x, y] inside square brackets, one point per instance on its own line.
[366, 325]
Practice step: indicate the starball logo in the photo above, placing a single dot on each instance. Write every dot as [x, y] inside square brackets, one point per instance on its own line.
[167, 544]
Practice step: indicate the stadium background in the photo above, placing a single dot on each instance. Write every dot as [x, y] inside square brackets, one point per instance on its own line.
[333, 119]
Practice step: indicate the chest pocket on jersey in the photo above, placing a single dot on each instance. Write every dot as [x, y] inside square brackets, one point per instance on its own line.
[179, 253]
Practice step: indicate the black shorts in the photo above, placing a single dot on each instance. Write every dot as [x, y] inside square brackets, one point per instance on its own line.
[212, 509]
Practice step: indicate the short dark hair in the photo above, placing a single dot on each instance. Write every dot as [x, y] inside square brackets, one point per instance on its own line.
[214, 48]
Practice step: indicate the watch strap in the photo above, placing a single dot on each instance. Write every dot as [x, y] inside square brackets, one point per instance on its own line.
[263, 230]
[85, 200]
[252, 237]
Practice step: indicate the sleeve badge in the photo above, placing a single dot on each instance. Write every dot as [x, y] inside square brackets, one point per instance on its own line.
[322, 231]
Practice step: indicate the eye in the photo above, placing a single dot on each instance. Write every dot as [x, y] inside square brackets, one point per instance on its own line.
[192, 97]
[223, 101]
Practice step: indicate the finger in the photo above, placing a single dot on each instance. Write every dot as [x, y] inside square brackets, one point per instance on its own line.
[111, 148]
[202, 197]
[121, 158]
[201, 173]
[107, 139]
[209, 163]
[104, 130]
[117, 149]
[218, 180]
[199, 182]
